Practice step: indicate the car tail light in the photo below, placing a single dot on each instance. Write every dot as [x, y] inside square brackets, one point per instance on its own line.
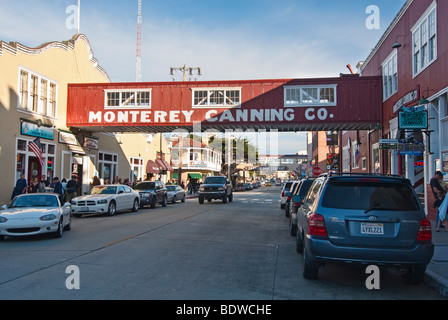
[288, 198]
[317, 225]
[283, 193]
[424, 231]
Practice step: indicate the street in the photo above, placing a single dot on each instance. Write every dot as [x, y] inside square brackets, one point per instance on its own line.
[185, 251]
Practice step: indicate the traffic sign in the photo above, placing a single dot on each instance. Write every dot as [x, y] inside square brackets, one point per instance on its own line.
[317, 171]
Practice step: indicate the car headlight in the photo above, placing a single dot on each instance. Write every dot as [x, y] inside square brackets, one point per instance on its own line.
[3, 219]
[73, 202]
[201, 188]
[48, 217]
[102, 201]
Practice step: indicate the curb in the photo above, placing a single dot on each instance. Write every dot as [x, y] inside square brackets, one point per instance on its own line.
[437, 282]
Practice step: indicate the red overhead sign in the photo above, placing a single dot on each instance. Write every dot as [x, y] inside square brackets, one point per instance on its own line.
[286, 105]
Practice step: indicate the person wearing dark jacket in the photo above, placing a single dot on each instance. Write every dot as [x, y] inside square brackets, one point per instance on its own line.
[21, 186]
[57, 188]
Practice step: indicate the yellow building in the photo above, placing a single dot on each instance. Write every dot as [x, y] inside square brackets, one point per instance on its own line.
[33, 104]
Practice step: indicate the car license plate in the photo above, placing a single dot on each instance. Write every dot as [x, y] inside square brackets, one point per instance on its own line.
[372, 228]
[84, 209]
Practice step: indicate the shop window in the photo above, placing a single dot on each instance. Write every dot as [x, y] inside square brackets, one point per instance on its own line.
[128, 99]
[216, 97]
[424, 40]
[37, 94]
[390, 76]
[306, 96]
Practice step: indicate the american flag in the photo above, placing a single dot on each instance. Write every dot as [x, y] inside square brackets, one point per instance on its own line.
[36, 147]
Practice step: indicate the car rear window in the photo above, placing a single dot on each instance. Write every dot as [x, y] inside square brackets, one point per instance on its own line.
[393, 196]
[145, 186]
[288, 186]
[305, 187]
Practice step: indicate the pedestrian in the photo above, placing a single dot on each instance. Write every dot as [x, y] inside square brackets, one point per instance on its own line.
[442, 211]
[436, 188]
[96, 181]
[21, 186]
[57, 188]
[34, 186]
[71, 190]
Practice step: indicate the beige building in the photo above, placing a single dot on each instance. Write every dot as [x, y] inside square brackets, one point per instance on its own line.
[33, 104]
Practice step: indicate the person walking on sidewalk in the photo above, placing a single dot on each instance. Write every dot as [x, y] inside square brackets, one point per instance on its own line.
[442, 204]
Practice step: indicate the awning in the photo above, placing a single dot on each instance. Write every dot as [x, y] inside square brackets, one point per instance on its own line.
[163, 165]
[195, 176]
[152, 167]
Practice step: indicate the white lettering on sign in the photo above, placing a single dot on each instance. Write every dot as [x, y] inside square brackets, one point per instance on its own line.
[231, 115]
[321, 114]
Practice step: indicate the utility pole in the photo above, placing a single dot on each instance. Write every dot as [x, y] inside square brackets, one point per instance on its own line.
[184, 71]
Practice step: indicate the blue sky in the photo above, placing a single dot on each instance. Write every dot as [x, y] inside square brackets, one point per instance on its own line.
[227, 39]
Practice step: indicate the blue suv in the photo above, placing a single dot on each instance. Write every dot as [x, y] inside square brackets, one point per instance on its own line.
[364, 219]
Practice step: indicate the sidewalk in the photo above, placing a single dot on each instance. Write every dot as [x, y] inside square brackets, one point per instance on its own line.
[437, 271]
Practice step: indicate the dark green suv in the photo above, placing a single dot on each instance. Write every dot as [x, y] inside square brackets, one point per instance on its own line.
[216, 188]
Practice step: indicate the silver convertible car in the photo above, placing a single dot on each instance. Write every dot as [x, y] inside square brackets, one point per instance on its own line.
[106, 199]
[36, 213]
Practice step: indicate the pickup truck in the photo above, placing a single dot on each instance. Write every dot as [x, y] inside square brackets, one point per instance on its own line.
[215, 188]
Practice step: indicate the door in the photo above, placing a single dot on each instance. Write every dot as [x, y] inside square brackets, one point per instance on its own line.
[34, 169]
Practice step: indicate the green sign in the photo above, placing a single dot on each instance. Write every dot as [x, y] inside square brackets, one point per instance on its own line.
[413, 120]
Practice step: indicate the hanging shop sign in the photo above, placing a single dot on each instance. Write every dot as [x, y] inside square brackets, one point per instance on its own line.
[36, 130]
[412, 119]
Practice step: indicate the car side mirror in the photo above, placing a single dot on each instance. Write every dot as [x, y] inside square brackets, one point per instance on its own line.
[4, 207]
[120, 192]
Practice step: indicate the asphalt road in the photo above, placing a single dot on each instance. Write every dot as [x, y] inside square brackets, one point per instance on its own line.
[186, 251]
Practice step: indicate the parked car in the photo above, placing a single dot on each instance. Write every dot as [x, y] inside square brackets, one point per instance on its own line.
[268, 184]
[35, 213]
[175, 193]
[364, 219]
[288, 196]
[285, 189]
[247, 186]
[106, 199]
[278, 182]
[215, 188]
[296, 201]
[151, 193]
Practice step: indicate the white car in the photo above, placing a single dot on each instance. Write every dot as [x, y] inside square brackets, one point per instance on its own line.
[35, 213]
[106, 199]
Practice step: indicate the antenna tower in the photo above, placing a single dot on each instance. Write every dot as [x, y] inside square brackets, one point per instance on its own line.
[138, 71]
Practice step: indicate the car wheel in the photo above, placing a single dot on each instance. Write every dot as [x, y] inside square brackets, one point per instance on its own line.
[287, 211]
[183, 199]
[112, 208]
[201, 200]
[299, 242]
[58, 233]
[310, 269]
[68, 226]
[293, 230]
[165, 201]
[224, 199]
[2, 238]
[174, 200]
[231, 197]
[135, 206]
[153, 202]
[414, 275]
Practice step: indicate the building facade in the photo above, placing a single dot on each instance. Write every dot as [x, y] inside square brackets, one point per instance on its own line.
[412, 59]
[33, 105]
